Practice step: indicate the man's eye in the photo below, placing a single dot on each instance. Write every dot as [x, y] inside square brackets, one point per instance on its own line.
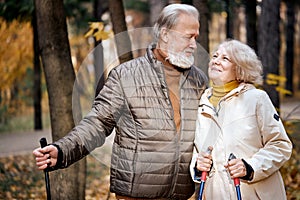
[188, 37]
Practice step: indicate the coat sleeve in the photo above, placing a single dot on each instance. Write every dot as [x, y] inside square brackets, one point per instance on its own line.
[277, 147]
[96, 125]
[196, 176]
[198, 137]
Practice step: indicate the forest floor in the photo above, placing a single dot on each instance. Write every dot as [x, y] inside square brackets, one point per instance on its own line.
[20, 179]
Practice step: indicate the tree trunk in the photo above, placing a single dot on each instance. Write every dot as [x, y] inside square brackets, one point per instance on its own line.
[37, 91]
[123, 43]
[202, 56]
[289, 54]
[251, 23]
[269, 44]
[229, 32]
[156, 7]
[55, 52]
[98, 50]
[202, 7]
[174, 1]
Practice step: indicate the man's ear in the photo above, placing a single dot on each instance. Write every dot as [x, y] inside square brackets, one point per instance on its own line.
[164, 35]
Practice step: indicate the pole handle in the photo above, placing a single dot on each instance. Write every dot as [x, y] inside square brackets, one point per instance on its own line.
[43, 142]
[203, 176]
[204, 173]
[235, 180]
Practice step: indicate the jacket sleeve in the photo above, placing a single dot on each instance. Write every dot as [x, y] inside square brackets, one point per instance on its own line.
[96, 125]
[196, 174]
[276, 145]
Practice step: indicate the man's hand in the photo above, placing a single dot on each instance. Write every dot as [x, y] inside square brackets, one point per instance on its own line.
[45, 157]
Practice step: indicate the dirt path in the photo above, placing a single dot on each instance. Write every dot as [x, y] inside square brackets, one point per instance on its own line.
[21, 142]
[290, 108]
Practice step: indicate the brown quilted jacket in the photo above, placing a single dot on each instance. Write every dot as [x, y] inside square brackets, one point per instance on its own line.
[149, 159]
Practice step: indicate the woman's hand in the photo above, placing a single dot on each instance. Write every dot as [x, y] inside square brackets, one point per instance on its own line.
[45, 157]
[204, 160]
[236, 168]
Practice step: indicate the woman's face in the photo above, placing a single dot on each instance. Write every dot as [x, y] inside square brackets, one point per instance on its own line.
[221, 69]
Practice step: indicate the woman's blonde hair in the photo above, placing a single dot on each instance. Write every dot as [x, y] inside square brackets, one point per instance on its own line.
[249, 67]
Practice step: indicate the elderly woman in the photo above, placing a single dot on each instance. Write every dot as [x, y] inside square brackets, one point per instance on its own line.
[235, 117]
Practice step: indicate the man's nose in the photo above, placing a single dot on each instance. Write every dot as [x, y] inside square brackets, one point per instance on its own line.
[193, 43]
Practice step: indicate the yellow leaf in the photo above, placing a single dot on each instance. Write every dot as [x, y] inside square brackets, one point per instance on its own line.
[276, 77]
[96, 25]
[97, 30]
[101, 35]
[271, 82]
[283, 91]
[89, 33]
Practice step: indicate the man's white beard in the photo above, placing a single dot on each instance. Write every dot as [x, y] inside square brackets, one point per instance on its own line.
[180, 60]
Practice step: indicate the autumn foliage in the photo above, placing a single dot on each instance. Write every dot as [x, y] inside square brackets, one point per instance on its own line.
[16, 58]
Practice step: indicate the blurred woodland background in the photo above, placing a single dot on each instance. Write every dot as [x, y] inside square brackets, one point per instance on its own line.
[55, 54]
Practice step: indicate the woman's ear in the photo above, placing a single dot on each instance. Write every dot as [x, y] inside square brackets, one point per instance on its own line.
[164, 35]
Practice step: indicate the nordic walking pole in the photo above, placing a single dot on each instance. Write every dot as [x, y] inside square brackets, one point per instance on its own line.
[203, 179]
[236, 180]
[43, 143]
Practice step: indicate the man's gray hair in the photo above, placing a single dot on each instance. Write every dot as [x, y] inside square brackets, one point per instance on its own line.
[168, 18]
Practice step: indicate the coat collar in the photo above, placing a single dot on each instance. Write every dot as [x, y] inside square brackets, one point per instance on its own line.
[243, 87]
[208, 108]
[158, 66]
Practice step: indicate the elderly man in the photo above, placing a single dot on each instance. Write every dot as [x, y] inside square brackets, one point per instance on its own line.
[152, 102]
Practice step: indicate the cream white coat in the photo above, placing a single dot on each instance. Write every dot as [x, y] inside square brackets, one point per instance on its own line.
[244, 123]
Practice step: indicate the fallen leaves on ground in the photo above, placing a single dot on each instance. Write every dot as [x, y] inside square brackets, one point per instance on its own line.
[20, 179]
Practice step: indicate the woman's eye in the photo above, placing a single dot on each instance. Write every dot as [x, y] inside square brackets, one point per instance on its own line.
[226, 58]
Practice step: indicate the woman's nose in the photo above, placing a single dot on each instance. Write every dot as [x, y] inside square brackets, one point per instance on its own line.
[216, 60]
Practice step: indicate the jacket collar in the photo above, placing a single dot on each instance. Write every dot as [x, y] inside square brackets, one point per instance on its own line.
[208, 108]
[243, 87]
[158, 66]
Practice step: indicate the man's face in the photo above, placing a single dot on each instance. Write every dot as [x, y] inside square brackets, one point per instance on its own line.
[181, 42]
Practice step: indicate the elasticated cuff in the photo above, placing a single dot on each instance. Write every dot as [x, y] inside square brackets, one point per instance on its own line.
[249, 171]
[59, 159]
